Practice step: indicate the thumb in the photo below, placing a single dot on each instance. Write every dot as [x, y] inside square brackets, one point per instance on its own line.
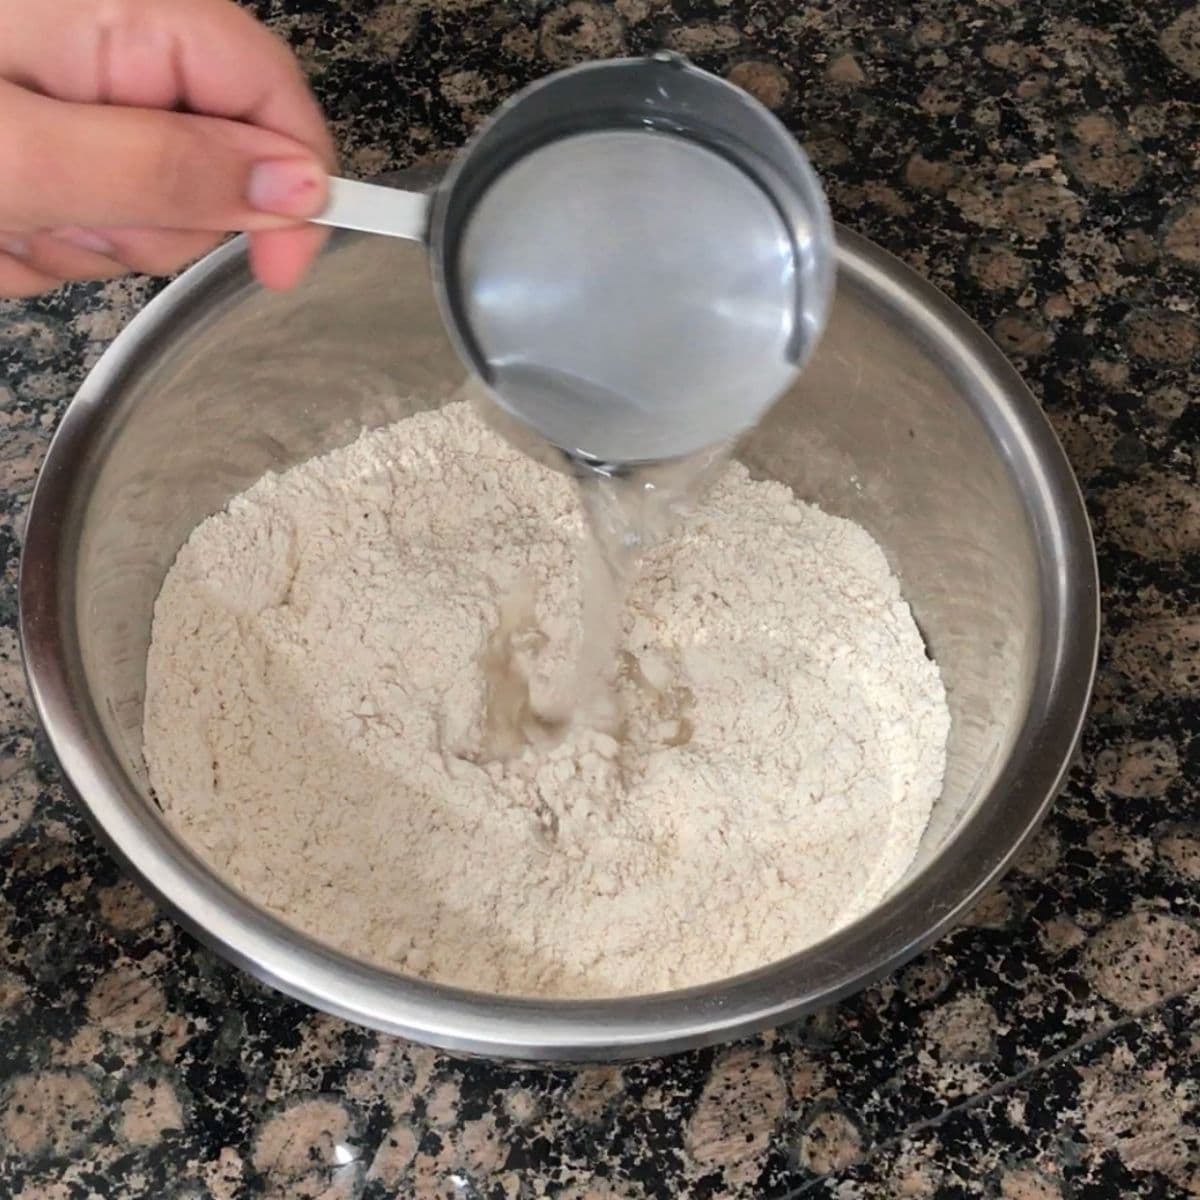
[89, 165]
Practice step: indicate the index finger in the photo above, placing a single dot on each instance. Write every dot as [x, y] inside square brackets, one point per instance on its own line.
[208, 56]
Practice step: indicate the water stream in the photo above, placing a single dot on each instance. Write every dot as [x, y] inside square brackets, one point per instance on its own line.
[626, 513]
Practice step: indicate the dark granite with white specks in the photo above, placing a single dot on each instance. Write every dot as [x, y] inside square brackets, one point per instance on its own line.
[1038, 160]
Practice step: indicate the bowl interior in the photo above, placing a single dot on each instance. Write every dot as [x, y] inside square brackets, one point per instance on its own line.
[877, 430]
[907, 420]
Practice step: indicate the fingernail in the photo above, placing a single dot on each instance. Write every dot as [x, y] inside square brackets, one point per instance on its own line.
[287, 187]
[84, 239]
[18, 247]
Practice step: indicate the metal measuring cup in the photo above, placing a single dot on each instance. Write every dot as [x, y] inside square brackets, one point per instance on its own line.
[634, 256]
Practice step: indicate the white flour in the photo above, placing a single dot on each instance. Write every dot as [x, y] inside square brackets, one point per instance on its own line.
[315, 721]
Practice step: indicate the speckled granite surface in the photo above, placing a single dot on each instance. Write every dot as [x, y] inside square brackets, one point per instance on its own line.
[1041, 162]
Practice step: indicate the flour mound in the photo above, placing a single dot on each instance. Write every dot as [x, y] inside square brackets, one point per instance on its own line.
[315, 707]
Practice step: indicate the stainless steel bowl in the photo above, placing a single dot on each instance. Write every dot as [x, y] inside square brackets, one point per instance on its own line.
[908, 420]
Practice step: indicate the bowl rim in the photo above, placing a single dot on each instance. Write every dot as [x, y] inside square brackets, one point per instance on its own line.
[528, 1028]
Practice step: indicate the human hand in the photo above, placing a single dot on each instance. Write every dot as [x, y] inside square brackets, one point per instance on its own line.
[134, 133]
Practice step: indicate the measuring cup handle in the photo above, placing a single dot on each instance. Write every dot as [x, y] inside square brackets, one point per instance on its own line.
[372, 208]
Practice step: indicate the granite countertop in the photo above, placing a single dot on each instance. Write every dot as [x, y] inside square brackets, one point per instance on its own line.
[1038, 160]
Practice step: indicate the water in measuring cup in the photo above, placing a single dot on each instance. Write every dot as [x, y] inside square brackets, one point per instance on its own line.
[632, 293]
